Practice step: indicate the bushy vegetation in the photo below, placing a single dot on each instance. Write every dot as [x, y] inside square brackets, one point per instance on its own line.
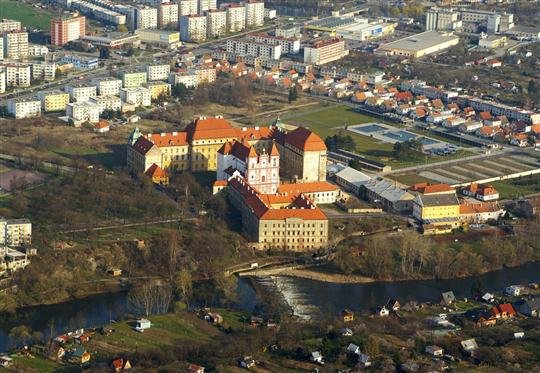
[340, 141]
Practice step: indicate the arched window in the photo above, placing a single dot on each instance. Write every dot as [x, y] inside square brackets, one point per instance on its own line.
[263, 178]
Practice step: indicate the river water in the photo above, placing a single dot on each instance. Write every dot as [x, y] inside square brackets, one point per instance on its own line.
[307, 299]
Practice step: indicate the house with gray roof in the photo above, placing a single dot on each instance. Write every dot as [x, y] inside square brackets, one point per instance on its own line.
[388, 194]
[351, 179]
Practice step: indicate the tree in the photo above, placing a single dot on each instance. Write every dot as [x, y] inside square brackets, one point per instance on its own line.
[104, 53]
[20, 335]
[293, 94]
[122, 28]
[149, 299]
[340, 141]
[180, 91]
[184, 285]
[407, 150]
[172, 254]
[130, 52]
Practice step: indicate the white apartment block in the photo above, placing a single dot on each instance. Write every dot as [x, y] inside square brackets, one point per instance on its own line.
[15, 232]
[204, 74]
[44, 70]
[81, 92]
[270, 13]
[139, 96]
[9, 25]
[158, 72]
[216, 23]
[81, 112]
[108, 86]
[107, 103]
[324, 51]
[236, 17]
[36, 50]
[187, 7]
[250, 48]
[189, 79]
[24, 107]
[513, 113]
[168, 15]
[288, 45]
[2, 80]
[146, 17]
[15, 44]
[18, 75]
[203, 6]
[193, 28]
[1, 47]
[254, 13]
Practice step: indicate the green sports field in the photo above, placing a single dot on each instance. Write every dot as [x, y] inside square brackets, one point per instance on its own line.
[30, 16]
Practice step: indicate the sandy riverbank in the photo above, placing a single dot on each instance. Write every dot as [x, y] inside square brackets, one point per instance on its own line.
[311, 275]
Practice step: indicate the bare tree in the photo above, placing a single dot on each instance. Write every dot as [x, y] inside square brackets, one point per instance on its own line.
[184, 285]
[150, 299]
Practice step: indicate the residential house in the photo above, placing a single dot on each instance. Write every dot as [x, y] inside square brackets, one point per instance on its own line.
[448, 297]
[353, 349]
[528, 307]
[364, 361]
[382, 311]
[316, 357]
[346, 332]
[513, 290]
[5, 361]
[194, 368]
[247, 362]
[488, 297]
[434, 350]
[481, 317]
[478, 213]
[469, 346]
[120, 364]
[520, 139]
[393, 304]
[503, 311]
[142, 324]
[347, 315]
[481, 192]
[470, 127]
[79, 356]
[157, 175]
[436, 207]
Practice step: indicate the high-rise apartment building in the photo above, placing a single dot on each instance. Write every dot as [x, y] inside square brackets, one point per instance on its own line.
[193, 28]
[15, 44]
[9, 25]
[168, 15]
[146, 17]
[64, 30]
[254, 13]
[216, 23]
[187, 7]
[236, 17]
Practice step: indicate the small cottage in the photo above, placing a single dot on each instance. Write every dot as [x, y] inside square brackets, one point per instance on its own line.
[142, 324]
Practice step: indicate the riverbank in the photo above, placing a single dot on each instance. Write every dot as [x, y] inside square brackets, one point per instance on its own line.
[305, 272]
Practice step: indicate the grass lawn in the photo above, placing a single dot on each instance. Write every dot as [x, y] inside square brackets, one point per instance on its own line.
[410, 179]
[518, 187]
[328, 120]
[37, 363]
[166, 330]
[27, 14]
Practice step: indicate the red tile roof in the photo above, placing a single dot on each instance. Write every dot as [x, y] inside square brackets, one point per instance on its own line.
[313, 187]
[155, 171]
[478, 208]
[168, 139]
[261, 204]
[303, 139]
[508, 308]
[210, 128]
[485, 115]
[426, 188]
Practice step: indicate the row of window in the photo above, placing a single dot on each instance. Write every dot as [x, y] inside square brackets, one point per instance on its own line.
[289, 240]
[293, 233]
[293, 225]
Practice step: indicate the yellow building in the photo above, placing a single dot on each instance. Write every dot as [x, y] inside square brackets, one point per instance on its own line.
[54, 101]
[196, 148]
[158, 88]
[436, 207]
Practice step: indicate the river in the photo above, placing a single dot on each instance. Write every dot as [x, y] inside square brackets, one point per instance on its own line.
[307, 299]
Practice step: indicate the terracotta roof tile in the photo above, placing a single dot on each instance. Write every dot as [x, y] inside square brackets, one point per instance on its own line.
[313, 187]
[168, 139]
[155, 171]
[303, 139]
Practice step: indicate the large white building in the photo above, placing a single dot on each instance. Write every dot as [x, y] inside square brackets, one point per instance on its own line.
[158, 72]
[15, 44]
[108, 86]
[138, 96]
[187, 78]
[2, 80]
[187, 7]
[24, 107]
[146, 17]
[510, 112]
[419, 45]
[193, 28]
[15, 232]
[206, 5]
[81, 112]
[324, 51]
[101, 13]
[250, 48]
[107, 103]
[288, 45]
[37, 50]
[9, 25]
[168, 15]
[216, 23]
[254, 13]
[81, 92]
[442, 19]
[17, 74]
[44, 70]
[236, 17]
